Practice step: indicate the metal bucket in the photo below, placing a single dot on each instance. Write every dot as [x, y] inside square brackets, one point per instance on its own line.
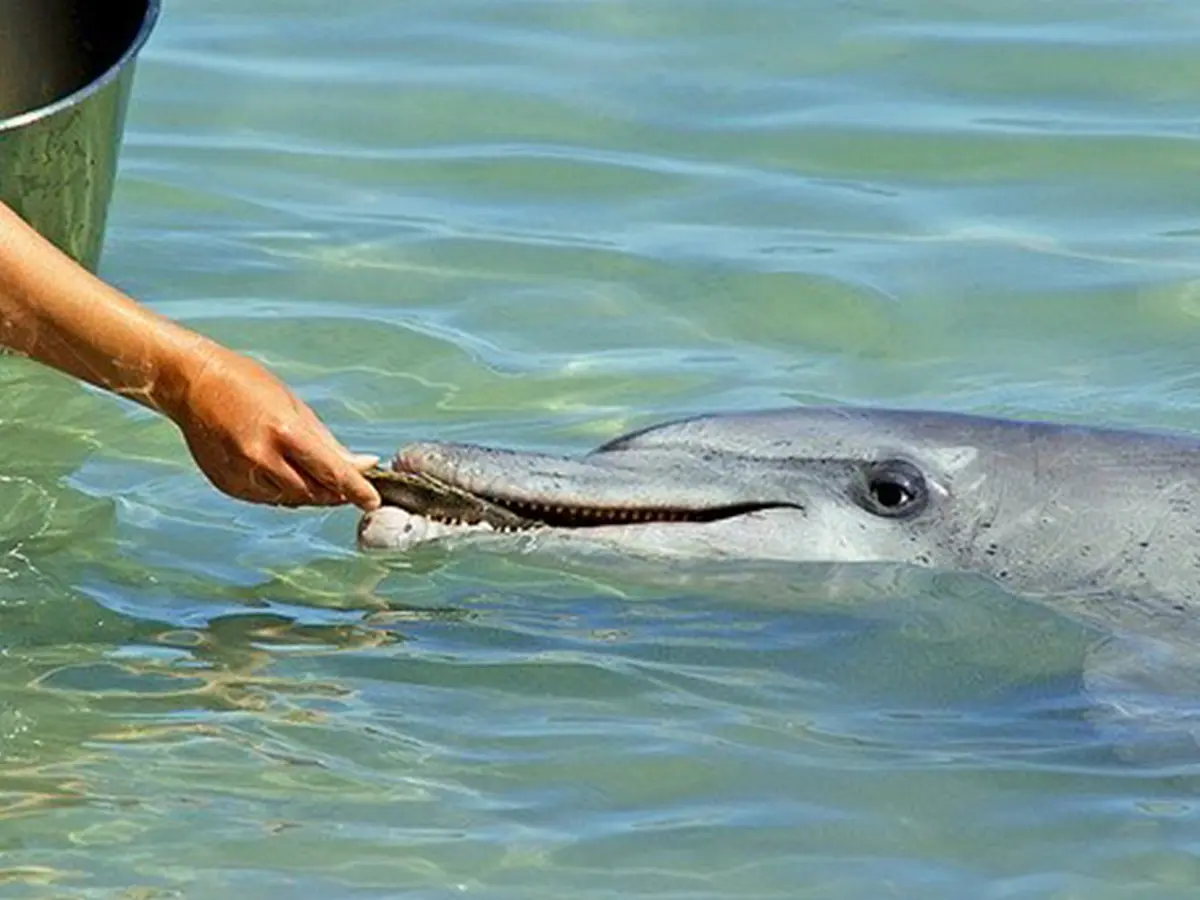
[66, 70]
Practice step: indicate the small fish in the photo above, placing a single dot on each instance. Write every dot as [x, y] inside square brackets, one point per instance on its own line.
[426, 496]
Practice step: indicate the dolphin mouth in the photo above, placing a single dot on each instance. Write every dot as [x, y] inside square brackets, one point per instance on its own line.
[509, 491]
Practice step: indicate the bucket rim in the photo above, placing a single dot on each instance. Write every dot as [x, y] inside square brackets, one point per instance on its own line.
[111, 74]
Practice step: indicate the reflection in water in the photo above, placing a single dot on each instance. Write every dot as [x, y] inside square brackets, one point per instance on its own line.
[167, 686]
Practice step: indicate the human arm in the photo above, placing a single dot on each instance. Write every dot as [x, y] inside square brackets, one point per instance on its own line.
[249, 434]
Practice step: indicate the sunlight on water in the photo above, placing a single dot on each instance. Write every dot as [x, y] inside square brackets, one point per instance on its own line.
[541, 225]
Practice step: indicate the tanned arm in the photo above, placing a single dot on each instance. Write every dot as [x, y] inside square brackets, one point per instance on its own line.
[250, 435]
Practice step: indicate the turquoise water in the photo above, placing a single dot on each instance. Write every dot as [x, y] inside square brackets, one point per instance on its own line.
[540, 224]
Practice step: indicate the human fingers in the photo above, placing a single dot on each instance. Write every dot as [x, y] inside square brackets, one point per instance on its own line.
[278, 484]
[337, 471]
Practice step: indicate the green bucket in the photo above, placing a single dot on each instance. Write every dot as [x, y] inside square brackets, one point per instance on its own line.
[66, 70]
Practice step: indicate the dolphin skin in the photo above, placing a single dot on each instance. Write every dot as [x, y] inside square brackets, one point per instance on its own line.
[1041, 507]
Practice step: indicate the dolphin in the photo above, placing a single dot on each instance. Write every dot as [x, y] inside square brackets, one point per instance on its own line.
[1100, 523]
[1042, 507]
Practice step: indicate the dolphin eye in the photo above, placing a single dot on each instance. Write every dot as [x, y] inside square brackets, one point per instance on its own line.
[894, 489]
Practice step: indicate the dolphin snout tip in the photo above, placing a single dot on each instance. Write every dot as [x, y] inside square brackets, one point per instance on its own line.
[387, 527]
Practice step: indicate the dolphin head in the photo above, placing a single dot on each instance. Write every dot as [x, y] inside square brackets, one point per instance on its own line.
[809, 484]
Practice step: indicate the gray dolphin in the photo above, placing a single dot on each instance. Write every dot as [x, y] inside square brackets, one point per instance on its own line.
[1042, 507]
[1100, 523]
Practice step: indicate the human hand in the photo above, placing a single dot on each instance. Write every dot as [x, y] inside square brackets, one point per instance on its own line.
[256, 441]
[252, 437]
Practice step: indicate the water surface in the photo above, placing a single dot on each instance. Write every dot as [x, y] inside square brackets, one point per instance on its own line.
[541, 224]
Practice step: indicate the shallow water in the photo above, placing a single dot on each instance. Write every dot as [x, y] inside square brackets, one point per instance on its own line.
[541, 224]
